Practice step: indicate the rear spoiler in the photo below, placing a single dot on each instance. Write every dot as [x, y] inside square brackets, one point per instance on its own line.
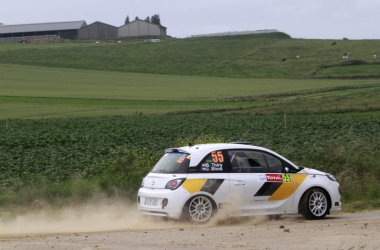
[176, 150]
[241, 142]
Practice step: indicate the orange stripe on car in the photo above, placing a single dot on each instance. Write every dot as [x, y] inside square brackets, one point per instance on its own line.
[288, 188]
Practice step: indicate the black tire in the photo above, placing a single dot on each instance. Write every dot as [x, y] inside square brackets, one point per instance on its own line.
[314, 204]
[199, 209]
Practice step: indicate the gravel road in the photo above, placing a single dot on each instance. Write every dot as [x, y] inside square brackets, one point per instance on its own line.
[341, 231]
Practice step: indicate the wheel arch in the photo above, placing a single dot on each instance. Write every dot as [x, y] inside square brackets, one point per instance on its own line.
[316, 187]
[214, 204]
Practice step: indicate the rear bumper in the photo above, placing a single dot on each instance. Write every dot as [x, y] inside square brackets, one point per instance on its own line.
[176, 199]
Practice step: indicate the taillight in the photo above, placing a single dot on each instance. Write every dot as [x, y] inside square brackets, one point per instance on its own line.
[174, 184]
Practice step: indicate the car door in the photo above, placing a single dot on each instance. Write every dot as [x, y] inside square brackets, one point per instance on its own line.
[247, 177]
[262, 182]
[285, 179]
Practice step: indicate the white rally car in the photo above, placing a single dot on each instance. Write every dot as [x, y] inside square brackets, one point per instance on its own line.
[196, 181]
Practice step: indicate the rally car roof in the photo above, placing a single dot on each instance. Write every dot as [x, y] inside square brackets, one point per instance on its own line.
[199, 151]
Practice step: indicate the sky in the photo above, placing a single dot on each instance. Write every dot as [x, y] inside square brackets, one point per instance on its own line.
[333, 19]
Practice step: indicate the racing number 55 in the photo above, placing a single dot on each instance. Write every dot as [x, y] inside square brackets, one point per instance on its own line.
[217, 156]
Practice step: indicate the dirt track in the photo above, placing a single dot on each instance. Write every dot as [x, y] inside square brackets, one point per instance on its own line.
[347, 231]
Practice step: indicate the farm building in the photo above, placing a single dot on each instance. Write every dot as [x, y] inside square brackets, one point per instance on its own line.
[40, 31]
[140, 28]
[98, 30]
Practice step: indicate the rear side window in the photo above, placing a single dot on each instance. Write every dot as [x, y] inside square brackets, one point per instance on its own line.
[214, 162]
[172, 163]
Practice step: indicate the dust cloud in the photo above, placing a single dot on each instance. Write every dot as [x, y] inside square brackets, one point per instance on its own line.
[95, 216]
[100, 216]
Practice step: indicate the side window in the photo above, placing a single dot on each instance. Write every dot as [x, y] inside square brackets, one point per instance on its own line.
[274, 164]
[215, 162]
[251, 161]
[247, 161]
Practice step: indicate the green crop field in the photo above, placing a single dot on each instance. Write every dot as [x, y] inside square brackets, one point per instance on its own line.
[78, 118]
[54, 159]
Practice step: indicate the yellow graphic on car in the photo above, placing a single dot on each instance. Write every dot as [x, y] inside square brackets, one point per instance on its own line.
[204, 185]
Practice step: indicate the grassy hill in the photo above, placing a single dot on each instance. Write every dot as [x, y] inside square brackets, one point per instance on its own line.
[250, 56]
[31, 92]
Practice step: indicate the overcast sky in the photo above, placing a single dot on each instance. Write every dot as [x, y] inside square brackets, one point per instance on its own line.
[355, 19]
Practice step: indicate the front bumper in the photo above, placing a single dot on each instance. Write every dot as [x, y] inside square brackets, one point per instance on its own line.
[336, 204]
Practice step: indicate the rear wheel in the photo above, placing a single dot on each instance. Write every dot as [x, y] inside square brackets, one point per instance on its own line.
[314, 204]
[200, 209]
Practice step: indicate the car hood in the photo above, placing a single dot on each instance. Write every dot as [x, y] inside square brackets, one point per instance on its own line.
[313, 171]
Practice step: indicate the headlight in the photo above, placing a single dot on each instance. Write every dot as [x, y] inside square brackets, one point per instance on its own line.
[331, 177]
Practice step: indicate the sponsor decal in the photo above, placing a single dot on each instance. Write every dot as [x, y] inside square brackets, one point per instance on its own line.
[216, 167]
[274, 178]
[205, 167]
[278, 178]
[286, 178]
[261, 177]
[217, 156]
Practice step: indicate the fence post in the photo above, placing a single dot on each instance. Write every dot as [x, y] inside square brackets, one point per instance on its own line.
[285, 121]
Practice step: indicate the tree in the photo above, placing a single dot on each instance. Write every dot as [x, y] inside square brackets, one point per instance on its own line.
[127, 20]
[136, 18]
[155, 19]
[147, 19]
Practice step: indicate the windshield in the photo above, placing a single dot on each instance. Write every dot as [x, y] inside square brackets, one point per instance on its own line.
[172, 163]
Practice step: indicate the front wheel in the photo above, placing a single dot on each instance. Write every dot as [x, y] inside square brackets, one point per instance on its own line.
[314, 204]
[199, 209]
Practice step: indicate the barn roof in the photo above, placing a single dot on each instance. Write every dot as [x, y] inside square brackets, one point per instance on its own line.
[101, 23]
[36, 27]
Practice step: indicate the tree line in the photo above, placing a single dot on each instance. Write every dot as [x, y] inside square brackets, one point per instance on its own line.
[153, 19]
